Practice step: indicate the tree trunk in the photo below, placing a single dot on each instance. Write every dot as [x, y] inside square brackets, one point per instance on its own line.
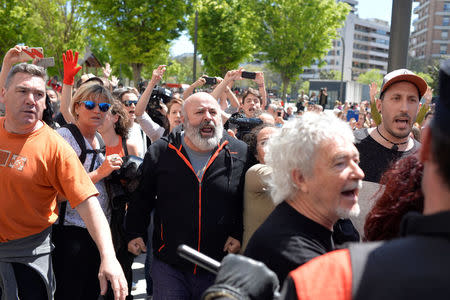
[285, 86]
[137, 68]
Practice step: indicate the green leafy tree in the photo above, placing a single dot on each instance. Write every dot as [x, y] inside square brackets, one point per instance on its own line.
[330, 75]
[179, 69]
[433, 71]
[225, 35]
[296, 33]
[305, 87]
[138, 32]
[373, 75]
[427, 77]
[55, 25]
[13, 16]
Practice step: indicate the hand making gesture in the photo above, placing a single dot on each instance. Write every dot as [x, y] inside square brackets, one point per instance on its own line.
[71, 67]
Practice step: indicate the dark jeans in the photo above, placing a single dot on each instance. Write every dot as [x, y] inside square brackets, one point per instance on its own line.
[76, 262]
[171, 284]
[29, 283]
[149, 258]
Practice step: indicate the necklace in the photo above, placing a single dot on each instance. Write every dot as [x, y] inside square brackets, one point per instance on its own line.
[395, 145]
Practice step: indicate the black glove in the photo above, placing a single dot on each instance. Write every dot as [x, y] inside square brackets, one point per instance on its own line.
[240, 277]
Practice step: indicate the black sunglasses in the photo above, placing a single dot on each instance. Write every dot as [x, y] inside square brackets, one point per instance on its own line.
[90, 105]
[128, 103]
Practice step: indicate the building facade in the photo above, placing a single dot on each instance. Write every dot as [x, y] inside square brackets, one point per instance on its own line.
[429, 40]
[364, 45]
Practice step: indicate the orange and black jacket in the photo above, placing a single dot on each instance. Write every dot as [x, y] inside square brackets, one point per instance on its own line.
[201, 213]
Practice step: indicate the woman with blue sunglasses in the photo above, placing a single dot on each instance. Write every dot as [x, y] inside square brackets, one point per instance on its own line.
[76, 259]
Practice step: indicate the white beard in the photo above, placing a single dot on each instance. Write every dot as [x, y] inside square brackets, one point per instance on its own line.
[204, 144]
[347, 213]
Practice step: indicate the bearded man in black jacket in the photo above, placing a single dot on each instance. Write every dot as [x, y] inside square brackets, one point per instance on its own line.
[194, 180]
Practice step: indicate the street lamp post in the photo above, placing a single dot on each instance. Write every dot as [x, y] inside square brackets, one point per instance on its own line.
[342, 70]
[399, 35]
[194, 67]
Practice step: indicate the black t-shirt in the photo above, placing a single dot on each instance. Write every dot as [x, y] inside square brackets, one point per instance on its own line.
[375, 159]
[287, 239]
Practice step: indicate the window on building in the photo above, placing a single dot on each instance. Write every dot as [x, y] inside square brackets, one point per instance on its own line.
[445, 21]
[447, 6]
[444, 34]
[443, 49]
[338, 52]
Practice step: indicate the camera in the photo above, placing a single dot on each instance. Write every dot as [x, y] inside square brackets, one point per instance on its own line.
[121, 183]
[161, 94]
[244, 125]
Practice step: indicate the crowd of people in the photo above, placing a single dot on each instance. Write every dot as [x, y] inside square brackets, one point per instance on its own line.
[94, 174]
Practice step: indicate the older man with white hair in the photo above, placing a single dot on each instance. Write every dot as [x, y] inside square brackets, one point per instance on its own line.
[316, 180]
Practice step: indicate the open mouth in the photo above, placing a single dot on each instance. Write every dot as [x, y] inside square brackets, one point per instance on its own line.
[351, 193]
[207, 130]
[401, 122]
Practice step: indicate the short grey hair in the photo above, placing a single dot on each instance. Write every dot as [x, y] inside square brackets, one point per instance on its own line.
[295, 147]
[25, 68]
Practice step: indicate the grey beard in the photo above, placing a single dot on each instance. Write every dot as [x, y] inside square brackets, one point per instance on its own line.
[204, 144]
[347, 213]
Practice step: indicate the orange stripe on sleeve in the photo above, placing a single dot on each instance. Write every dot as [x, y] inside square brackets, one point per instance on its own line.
[327, 277]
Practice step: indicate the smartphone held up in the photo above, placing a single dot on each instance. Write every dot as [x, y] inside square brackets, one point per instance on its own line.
[32, 53]
[248, 75]
[210, 80]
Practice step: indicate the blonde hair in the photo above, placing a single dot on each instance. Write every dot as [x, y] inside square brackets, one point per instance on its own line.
[172, 102]
[89, 91]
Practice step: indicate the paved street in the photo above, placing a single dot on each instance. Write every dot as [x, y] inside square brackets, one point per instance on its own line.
[138, 275]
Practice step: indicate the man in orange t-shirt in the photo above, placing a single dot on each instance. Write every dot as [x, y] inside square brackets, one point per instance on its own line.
[35, 165]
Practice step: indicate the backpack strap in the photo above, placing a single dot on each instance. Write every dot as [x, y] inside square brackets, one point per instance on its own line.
[359, 253]
[101, 142]
[124, 146]
[79, 138]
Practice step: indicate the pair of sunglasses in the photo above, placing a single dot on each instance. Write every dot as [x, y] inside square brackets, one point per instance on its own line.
[90, 105]
[128, 103]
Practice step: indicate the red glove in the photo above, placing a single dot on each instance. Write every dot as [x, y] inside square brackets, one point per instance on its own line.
[70, 67]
